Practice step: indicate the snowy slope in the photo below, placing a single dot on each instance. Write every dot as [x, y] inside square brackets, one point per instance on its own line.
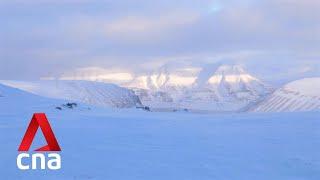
[230, 88]
[11, 98]
[300, 95]
[225, 88]
[18, 101]
[235, 81]
[94, 93]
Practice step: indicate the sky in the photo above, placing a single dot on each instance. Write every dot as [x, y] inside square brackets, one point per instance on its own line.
[278, 40]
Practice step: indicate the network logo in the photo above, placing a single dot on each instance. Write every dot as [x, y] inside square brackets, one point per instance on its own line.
[44, 154]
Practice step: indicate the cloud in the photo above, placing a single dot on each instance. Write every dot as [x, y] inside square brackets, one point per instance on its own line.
[97, 74]
[141, 27]
[67, 35]
[135, 27]
[30, 2]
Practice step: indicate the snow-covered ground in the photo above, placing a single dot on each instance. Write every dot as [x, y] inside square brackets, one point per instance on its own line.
[104, 143]
[131, 144]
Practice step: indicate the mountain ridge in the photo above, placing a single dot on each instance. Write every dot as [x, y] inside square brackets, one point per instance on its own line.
[299, 95]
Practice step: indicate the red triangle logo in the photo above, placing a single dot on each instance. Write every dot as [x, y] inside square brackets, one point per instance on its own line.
[39, 120]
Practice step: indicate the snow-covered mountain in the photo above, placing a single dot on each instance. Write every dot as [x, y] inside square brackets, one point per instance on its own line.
[230, 88]
[225, 88]
[95, 93]
[300, 95]
[214, 87]
[233, 81]
[165, 79]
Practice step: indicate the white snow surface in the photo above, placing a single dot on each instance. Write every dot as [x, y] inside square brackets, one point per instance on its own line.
[89, 92]
[300, 95]
[128, 144]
